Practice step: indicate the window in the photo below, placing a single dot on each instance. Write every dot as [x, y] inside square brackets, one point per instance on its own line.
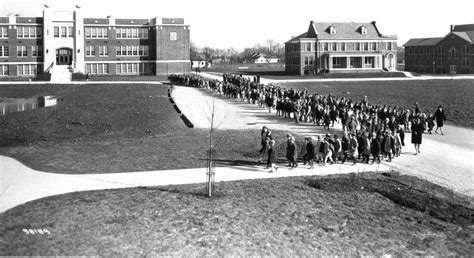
[98, 68]
[63, 32]
[134, 33]
[143, 51]
[336, 61]
[389, 45]
[124, 50]
[103, 51]
[88, 32]
[56, 32]
[129, 50]
[311, 60]
[440, 62]
[308, 47]
[3, 32]
[132, 68]
[363, 30]
[90, 51]
[4, 70]
[36, 51]
[4, 51]
[143, 33]
[440, 49]
[422, 50]
[332, 30]
[306, 60]
[465, 49]
[452, 53]
[105, 33]
[93, 32]
[173, 36]
[26, 69]
[21, 51]
[129, 33]
[466, 62]
[373, 46]
[29, 32]
[343, 47]
[334, 46]
[369, 60]
[357, 46]
[366, 46]
[135, 50]
[326, 46]
[123, 33]
[70, 32]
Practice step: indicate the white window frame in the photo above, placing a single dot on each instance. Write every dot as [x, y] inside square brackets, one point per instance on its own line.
[22, 50]
[3, 32]
[4, 70]
[4, 51]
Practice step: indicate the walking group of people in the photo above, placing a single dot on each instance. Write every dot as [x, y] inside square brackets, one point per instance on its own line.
[367, 129]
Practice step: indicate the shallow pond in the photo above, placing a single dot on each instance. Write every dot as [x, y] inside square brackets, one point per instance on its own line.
[11, 105]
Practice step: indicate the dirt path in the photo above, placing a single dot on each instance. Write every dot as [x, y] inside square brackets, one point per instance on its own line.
[446, 160]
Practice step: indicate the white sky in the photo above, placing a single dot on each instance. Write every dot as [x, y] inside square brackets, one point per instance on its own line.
[242, 23]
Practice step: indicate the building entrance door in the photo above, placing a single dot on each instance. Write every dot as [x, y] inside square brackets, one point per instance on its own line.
[63, 56]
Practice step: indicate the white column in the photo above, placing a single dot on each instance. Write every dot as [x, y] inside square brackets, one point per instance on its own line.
[348, 62]
[330, 62]
[78, 49]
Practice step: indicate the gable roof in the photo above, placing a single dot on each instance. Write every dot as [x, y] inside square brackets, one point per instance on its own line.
[422, 42]
[463, 35]
[343, 30]
[464, 27]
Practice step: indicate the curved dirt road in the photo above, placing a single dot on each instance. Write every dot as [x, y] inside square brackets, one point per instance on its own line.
[446, 160]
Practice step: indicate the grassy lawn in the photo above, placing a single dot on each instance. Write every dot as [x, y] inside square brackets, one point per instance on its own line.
[275, 217]
[454, 95]
[113, 128]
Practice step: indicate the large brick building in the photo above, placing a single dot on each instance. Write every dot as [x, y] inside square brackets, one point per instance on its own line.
[452, 54]
[31, 45]
[340, 47]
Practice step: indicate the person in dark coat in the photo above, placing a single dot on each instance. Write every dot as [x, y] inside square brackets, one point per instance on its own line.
[272, 157]
[440, 117]
[387, 144]
[291, 151]
[416, 134]
[310, 151]
[375, 148]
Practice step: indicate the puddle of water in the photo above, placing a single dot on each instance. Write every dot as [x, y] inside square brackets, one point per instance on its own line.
[11, 105]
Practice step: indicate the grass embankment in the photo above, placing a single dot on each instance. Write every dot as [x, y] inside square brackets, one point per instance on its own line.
[113, 128]
[277, 217]
[454, 95]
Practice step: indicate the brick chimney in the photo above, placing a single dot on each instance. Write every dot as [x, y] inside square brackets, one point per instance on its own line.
[451, 28]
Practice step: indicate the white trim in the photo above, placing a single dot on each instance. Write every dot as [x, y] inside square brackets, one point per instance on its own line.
[118, 61]
[19, 63]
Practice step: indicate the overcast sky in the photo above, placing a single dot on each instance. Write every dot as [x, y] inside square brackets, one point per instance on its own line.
[242, 23]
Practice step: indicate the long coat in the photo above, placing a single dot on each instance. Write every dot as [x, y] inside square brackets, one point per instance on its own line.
[291, 151]
[375, 146]
[416, 133]
[440, 117]
[387, 144]
[310, 150]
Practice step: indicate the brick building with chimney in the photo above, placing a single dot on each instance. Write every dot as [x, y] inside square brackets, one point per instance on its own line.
[32, 45]
[340, 47]
[451, 54]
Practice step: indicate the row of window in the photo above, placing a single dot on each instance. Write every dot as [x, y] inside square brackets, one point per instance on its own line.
[465, 61]
[22, 51]
[27, 69]
[63, 32]
[133, 68]
[132, 50]
[420, 50]
[120, 33]
[131, 33]
[121, 68]
[29, 32]
[97, 68]
[333, 46]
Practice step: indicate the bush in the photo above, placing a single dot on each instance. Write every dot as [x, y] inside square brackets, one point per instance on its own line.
[79, 77]
[42, 77]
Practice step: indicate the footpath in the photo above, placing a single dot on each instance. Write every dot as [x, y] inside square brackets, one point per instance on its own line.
[446, 160]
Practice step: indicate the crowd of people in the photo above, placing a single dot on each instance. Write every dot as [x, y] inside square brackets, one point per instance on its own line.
[367, 130]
